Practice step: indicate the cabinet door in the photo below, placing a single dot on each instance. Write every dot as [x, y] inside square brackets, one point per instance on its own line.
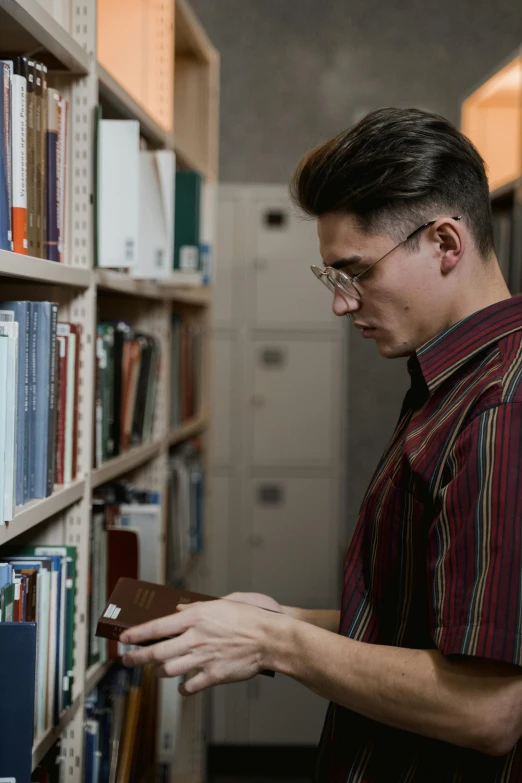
[222, 420]
[293, 540]
[228, 248]
[295, 402]
[286, 293]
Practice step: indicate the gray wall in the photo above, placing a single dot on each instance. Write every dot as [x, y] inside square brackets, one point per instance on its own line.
[296, 72]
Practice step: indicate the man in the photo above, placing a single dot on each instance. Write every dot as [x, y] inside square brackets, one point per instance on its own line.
[421, 666]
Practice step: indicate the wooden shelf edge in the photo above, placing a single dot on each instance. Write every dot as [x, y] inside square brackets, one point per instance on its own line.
[186, 159]
[200, 43]
[123, 283]
[23, 267]
[117, 95]
[43, 744]
[36, 511]
[187, 430]
[95, 674]
[133, 458]
[39, 23]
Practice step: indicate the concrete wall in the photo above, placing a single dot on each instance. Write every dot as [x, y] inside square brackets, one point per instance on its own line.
[296, 72]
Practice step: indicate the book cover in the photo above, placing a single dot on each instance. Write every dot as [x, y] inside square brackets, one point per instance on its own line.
[7, 66]
[22, 315]
[118, 217]
[4, 349]
[187, 221]
[63, 131]
[45, 397]
[17, 686]
[5, 202]
[141, 389]
[123, 560]
[62, 408]
[146, 520]
[10, 330]
[52, 175]
[38, 162]
[34, 314]
[31, 158]
[18, 66]
[43, 165]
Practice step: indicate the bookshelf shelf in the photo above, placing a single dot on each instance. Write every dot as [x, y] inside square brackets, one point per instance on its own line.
[39, 270]
[44, 743]
[37, 511]
[95, 674]
[133, 458]
[126, 107]
[200, 296]
[123, 283]
[187, 430]
[26, 26]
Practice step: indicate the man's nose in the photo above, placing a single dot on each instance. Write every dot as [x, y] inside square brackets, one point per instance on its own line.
[344, 304]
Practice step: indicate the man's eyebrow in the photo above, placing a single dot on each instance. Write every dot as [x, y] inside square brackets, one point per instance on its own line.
[341, 263]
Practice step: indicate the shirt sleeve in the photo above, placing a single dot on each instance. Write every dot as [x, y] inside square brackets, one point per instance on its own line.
[475, 542]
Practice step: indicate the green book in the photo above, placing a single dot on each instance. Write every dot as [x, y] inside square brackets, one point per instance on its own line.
[7, 599]
[186, 221]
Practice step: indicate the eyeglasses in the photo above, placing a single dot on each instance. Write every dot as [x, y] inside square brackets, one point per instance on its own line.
[337, 281]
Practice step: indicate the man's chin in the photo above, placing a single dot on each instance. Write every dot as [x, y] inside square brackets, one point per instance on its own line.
[390, 349]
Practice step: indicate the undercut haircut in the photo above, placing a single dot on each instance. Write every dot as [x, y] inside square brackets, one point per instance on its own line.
[394, 170]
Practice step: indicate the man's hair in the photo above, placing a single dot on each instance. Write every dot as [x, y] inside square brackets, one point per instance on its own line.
[394, 170]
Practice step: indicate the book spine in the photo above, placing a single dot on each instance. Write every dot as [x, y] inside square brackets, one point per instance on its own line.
[35, 313]
[38, 158]
[51, 451]
[60, 453]
[19, 136]
[62, 175]
[43, 165]
[52, 176]
[5, 218]
[43, 360]
[31, 166]
[8, 146]
[78, 330]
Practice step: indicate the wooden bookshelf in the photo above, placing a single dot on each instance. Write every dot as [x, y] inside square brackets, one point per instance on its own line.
[492, 119]
[67, 43]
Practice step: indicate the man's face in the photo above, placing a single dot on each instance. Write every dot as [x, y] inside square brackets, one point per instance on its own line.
[402, 299]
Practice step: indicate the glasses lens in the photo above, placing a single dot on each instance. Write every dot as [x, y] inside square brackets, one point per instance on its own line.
[336, 281]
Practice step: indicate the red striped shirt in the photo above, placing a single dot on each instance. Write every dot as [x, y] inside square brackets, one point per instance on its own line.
[436, 558]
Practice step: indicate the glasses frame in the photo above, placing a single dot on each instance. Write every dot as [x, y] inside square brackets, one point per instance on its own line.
[333, 275]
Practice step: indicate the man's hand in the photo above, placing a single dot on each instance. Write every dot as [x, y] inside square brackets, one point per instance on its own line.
[255, 599]
[216, 641]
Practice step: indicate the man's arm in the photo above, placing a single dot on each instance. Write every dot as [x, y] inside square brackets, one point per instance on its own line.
[322, 618]
[472, 703]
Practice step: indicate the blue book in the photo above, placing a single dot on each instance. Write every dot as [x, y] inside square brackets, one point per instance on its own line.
[5, 202]
[22, 314]
[43, 435]
[17, 686]
[6, 574]
[34, 313]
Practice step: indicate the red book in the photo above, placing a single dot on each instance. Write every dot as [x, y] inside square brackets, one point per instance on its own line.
[77, 330]
[63, 343]
[123, 560]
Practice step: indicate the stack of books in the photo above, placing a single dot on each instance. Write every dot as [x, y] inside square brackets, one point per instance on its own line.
[39, 379]
[127, 367]
[33, 161]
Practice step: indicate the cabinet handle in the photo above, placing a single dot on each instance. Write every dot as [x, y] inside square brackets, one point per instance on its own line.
[256, 540]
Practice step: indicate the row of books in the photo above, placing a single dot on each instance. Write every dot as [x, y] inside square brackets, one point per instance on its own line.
[185, 369]
[125, 540]
[33, 160]
[38, 585]
[149, 218]
[39, 366]
[127, 368]
[120, 727]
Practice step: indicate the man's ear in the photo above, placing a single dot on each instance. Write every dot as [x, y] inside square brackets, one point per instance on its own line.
[450, 238]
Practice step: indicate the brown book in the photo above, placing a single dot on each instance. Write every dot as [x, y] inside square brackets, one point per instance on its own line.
[133, 602]
[43, 168]
[38, 158]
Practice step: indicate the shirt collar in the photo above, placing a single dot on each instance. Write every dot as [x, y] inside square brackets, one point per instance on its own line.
[444, 354]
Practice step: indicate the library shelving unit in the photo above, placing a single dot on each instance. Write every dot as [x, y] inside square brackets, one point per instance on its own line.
[491, 117]
[166, 61]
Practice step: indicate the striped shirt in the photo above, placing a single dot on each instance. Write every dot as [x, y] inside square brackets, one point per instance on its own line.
[436, 558]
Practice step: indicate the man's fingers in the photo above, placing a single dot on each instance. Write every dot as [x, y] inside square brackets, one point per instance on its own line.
[198, 682]
[172, 625]
[158, 653]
